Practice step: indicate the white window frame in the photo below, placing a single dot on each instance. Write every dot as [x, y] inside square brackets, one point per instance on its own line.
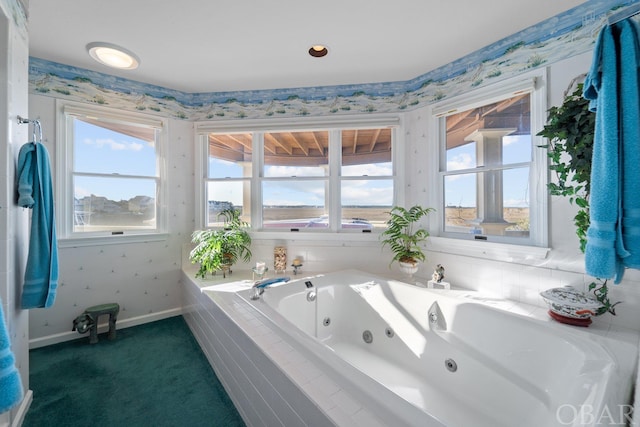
[64, 176]
[495, 247]
[333, 125]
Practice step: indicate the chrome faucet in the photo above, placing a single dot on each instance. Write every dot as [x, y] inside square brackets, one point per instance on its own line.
[260, 285]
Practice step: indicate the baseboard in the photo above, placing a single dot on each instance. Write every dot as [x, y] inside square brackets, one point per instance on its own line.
[104, 327]
[21, 411]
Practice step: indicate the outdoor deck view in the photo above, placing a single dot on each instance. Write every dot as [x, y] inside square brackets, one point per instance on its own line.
[294, 182]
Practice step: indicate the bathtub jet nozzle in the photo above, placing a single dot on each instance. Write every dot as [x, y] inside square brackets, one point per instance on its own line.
[436, 318]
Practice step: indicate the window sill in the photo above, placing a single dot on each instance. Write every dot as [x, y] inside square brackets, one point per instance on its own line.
[76, 242]
[316, 236]
[487, 250]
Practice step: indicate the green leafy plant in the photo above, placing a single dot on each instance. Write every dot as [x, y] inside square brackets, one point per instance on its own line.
[219, 249]
[601, 292]
[570, 131]
[403, 237]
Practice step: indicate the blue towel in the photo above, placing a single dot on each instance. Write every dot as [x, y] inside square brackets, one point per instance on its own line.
[613, 238]
[630, 140]
[10, 384]
[35, 191]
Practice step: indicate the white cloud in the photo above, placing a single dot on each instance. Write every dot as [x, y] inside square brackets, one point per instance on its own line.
[114, 145]
[368, 170]
[80, 192]
[512, 139]
[359, 193]
[288, 171]
[460, 162]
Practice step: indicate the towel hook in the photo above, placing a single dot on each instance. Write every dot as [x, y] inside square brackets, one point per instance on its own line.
[37, 128]
[36, 125]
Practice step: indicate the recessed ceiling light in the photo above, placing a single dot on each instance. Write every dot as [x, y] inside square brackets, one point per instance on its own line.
[113, 56]
[318, 51]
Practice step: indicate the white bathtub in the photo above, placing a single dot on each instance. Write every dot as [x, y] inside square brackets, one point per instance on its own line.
[436, 360]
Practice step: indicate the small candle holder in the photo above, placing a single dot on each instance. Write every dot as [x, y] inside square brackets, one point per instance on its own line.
[296, 267]
[259, 272]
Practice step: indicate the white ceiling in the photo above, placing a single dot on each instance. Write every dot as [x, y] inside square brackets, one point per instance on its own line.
[226, 45]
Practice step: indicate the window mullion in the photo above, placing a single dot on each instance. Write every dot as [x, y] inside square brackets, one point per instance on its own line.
[333, 197]
[488, 168]
[257, 175]
[114, 175]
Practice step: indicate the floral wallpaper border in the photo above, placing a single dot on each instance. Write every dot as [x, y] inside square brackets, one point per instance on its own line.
[565, 35]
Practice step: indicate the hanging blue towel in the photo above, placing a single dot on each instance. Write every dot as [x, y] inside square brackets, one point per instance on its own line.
[10, 384]
[630, 140]
[35, 191]
[613, 238]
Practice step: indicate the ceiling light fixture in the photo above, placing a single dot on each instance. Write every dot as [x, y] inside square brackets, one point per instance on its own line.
[113, 56]
[318, 51]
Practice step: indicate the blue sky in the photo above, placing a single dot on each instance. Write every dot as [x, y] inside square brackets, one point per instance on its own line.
[99, 150]
[305, 192]
[460, 190]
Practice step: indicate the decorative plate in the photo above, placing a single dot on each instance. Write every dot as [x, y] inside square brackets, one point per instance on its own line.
[571, 302]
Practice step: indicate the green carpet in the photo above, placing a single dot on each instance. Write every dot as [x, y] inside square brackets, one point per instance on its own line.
[152, 375]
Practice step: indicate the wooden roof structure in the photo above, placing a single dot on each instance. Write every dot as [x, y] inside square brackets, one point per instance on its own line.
[513, 112]
[305, 148]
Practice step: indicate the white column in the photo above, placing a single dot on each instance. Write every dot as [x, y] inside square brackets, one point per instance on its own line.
[489, 194]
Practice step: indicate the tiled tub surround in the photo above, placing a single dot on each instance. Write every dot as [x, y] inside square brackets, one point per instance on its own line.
[275, 379]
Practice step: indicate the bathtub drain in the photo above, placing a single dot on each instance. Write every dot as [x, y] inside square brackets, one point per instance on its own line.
[367, 336]
[326, 321]
[451, 365]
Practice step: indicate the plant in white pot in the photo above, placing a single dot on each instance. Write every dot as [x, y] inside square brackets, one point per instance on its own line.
[404, 235]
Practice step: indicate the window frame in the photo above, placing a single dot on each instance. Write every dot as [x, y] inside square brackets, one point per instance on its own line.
[65, 111]
[499, 247]
[334, 126]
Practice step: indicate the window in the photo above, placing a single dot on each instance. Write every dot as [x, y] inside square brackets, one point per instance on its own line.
[367, 178]
[229, 171]
[110, 173]
[492, 175]
[313, 179]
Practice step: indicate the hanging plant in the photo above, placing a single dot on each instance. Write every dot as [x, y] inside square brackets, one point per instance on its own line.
[570, 131]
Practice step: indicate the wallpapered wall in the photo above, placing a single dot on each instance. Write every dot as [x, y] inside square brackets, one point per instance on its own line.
[14, 220]
[144, 278]
[557, 38]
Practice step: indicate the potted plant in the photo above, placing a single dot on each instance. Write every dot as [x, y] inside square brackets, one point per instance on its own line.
[219, 249]
[404, 236]
[570, 131]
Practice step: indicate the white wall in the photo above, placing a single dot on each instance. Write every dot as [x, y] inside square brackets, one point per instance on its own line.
[144, 278]
[13, 219]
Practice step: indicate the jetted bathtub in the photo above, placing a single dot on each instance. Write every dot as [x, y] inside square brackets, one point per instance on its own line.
[426, 358]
